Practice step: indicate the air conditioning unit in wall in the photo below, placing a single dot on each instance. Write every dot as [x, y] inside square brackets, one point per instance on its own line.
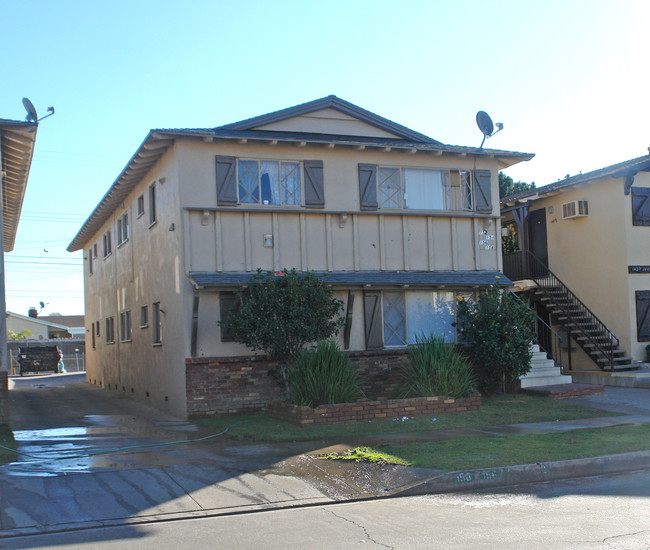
[575, 209]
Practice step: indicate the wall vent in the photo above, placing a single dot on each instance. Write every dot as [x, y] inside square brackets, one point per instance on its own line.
[575, 209]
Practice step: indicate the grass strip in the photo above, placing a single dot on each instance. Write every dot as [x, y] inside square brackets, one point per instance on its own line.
[7, 440]
[368, 454]
[487, 452]
[496, 410]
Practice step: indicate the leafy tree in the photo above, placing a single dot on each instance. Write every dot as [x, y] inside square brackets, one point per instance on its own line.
[498, 332]
[22, 335]
[280, 313]
[507, 186]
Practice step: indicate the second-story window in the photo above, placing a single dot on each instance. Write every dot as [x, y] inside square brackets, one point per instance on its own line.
[90, 260]
[140, 205]
[268, 182]
[424, 189]
[108, 245]
[152, 204]
[122, 229]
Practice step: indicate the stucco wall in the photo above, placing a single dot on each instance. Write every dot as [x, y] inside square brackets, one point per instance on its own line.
[591, 255]
[145, 269]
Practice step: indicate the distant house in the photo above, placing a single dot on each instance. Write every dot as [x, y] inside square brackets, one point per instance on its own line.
[47, 327]
[583, 254]
[398, 223]
[17, 141]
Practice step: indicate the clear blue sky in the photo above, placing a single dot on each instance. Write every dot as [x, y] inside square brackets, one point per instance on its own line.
[567, 78]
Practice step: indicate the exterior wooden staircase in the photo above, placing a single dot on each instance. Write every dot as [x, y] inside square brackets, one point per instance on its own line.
[567, 310]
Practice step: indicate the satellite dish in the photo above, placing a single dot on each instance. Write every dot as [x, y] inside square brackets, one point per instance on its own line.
[31, 111]
[484, 123]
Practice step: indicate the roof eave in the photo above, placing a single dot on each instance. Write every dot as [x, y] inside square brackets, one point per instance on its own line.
[17, 151]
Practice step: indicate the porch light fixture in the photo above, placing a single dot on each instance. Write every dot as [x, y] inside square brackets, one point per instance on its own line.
[268, 240]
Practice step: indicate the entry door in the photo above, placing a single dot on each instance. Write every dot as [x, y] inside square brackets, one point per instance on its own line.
[537, 236]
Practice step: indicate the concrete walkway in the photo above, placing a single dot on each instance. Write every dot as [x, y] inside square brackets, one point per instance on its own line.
[174, 473]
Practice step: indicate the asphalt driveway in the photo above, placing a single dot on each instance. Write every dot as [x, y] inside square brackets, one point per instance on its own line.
[92, 457]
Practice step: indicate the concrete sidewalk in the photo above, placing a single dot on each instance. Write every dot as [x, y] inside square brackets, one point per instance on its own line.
[173, 478]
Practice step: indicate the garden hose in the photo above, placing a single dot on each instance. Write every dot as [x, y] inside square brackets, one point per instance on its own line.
[122, 449]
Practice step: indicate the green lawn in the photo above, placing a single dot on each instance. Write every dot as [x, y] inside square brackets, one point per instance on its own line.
[486, 452]
[501, 409]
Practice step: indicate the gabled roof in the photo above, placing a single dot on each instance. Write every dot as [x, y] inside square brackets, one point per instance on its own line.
[158, 142]
[330, 102]
[38, 321]
[17, 141]
[619, 170]
[71, 321]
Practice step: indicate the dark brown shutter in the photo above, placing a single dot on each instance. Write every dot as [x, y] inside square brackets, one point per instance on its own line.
[368, 186]
[314, 184]
[228, 302]
[643, 315]
[483, 195]
[226, 181]
[640, 206]
[372, 318]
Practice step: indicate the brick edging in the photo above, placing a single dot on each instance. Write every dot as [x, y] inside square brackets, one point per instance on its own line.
[372, 410]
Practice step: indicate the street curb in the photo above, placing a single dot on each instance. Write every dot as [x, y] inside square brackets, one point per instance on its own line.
[503, 476]
[446, 482]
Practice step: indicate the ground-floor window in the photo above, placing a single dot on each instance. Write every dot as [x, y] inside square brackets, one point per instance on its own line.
[395, 318]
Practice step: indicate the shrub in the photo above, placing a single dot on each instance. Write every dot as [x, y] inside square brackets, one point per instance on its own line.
[280, 313]
[497, 332]
[436, 368]
[323, 375]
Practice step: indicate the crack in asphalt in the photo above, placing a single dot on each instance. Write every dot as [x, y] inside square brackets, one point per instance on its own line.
[606, 540]
[362, 528]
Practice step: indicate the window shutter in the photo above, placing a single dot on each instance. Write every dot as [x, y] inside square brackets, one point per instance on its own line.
[643, 315]
[226, 181]
[314, 185]
[483, 195]
[228, 302]
[640, 206]
[368, 186]
[372, 318]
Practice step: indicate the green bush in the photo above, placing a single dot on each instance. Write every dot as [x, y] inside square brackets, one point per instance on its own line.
[497, 332]
[436, 368]
[281, 312]
[323, 375]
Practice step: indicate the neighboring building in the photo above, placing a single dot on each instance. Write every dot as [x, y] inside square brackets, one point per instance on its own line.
[47, 327]
[17, 141]
[593, 233]
[74, 324]
[398, 223]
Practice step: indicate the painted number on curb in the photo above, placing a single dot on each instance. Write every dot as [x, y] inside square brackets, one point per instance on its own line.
[467, 477]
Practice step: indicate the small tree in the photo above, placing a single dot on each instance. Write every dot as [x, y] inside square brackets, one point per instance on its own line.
[280, 313]
[498, 332]
[22, 335]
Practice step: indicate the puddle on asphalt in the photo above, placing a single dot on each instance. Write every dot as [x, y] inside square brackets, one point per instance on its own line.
[109, 442]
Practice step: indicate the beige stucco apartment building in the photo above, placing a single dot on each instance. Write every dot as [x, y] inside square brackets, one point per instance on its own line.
[398, 223]
[17, 140]
[593, 233]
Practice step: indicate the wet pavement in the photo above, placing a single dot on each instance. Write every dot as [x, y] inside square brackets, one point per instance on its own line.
[89, 457]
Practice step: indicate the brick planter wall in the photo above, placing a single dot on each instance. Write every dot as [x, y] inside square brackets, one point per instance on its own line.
[229, 385]
[364, 411]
